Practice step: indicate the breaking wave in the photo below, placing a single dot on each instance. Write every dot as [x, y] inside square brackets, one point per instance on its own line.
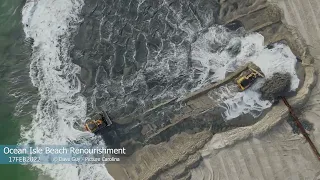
[61, 106]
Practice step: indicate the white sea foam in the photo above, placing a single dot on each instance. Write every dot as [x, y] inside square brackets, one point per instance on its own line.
[60, 106]
[279, 59]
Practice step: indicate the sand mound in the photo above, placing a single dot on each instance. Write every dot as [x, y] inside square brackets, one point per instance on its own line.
[276, 86]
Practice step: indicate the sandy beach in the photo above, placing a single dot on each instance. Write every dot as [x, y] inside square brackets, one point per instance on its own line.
[277, 154]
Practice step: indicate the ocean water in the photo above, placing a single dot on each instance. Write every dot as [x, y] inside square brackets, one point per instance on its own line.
[49, 24]
[16, 92]
[121, 57]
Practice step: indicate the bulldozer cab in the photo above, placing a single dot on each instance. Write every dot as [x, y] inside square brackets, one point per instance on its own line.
[98, 123]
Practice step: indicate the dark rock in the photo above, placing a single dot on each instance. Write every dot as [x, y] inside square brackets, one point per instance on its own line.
[276, 86]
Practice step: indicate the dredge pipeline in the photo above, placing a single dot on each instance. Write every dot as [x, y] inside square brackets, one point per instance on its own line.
[301, 128]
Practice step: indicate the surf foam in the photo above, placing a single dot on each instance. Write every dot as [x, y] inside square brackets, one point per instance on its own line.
[251, 49]
[50, 24]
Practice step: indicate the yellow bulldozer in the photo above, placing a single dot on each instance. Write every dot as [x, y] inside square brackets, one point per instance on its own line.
[247, 78]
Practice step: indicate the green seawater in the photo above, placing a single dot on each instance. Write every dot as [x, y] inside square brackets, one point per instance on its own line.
[14, 63]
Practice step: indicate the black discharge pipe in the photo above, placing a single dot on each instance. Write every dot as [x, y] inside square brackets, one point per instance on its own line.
[301, 128]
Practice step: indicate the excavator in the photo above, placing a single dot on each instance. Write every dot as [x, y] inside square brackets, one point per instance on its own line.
[101, 124]
[247, 78]
[98, 123]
